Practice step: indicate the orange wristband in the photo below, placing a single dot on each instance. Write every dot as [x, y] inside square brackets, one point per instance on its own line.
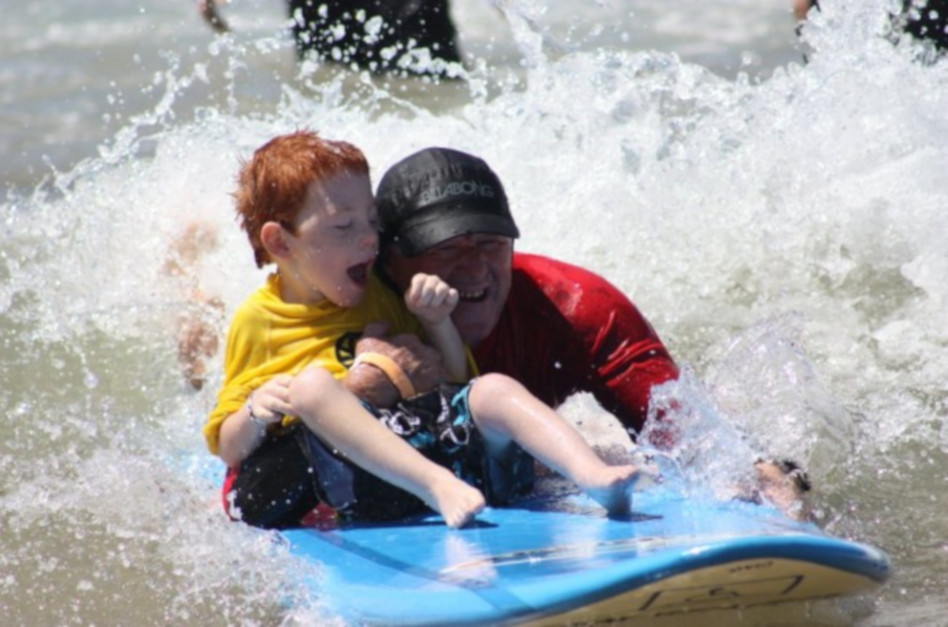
[391, 369]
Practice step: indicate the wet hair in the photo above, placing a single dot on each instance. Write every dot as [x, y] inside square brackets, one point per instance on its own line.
[272, 185]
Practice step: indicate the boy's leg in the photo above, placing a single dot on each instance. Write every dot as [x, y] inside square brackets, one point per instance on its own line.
[504, 412]
[339, 418]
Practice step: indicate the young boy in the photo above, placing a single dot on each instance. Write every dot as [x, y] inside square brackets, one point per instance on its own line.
[294, 437]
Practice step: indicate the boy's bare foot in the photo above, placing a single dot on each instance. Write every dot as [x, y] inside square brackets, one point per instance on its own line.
[612, 487]
[456, 501]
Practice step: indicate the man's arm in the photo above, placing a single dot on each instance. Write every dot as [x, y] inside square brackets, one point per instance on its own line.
[422, 365]
[600, 340]
[627, 359]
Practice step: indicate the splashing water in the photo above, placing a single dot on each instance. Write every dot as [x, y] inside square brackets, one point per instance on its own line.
[781, 225]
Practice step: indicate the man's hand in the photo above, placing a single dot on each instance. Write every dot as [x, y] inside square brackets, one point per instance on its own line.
[421, 363]
[785, 485]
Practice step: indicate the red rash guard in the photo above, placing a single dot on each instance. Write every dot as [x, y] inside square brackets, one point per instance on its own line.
[566, 330]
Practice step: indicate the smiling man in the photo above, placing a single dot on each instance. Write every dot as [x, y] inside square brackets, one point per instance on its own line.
[556, 328]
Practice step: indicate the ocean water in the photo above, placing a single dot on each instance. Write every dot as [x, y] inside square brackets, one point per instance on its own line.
[781, 223]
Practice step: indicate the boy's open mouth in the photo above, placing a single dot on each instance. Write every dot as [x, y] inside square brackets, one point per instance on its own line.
[359, 273]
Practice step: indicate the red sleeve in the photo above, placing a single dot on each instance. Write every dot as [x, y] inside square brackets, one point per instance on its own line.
[625, 354]
[567, 330]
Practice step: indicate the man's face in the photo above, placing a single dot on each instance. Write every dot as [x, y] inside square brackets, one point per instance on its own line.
[478, 266]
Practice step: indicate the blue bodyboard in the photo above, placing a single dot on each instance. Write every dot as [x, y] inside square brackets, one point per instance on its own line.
[553, 561]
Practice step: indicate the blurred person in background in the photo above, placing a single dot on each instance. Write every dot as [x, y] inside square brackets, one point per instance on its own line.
[924, 20]
[408, 37]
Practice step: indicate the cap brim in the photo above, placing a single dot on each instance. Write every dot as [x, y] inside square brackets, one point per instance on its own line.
[419, 235]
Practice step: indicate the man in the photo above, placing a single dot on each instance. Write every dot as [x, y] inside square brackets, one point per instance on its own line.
[556, 328]
[403, 36]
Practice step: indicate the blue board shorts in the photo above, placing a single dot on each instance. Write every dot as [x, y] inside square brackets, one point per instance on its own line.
[293, 471]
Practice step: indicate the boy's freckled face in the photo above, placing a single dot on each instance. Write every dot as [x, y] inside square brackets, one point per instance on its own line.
[335, 243]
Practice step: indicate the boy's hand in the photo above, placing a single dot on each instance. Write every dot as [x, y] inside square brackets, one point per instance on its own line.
[271, 401]
[430, 298]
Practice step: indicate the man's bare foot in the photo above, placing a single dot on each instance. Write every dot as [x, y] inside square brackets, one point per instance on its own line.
[199, 321]
[198, 340]
[456, 501]
[195, 240]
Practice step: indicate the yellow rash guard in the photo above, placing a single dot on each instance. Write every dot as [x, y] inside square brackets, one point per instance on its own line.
[269, 337]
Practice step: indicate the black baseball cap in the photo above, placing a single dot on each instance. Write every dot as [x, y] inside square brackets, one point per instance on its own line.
[436, 194]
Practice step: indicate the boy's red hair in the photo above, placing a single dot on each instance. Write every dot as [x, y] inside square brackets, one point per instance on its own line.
[272, 185]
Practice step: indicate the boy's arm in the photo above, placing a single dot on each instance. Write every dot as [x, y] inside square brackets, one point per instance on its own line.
[444, 335]
[244, 430]
[433, 300]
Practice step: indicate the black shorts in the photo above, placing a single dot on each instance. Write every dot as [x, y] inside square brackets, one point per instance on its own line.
[293, 471]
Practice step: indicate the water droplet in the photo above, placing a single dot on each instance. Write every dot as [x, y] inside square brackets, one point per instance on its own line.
[91, 381]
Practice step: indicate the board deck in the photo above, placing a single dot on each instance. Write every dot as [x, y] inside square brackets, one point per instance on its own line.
[553, 563]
